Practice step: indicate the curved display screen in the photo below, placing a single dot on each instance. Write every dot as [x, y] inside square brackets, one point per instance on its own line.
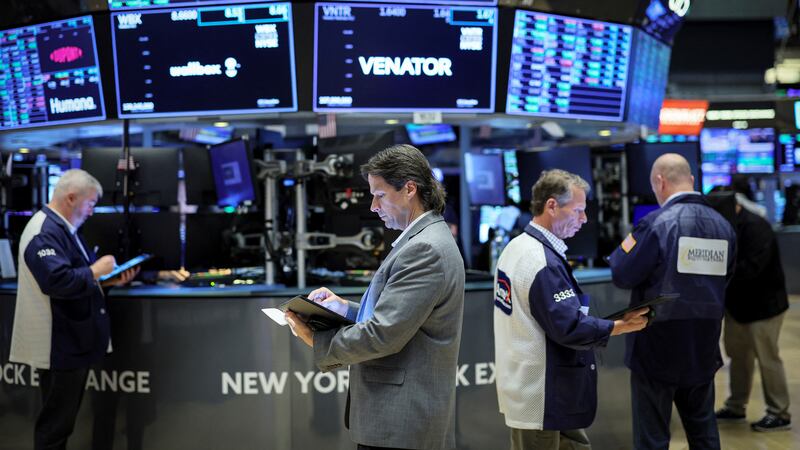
[404, 58]
[49, 75]
[213, 60]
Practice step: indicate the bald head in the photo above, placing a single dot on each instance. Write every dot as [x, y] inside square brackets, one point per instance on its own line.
[670, 174]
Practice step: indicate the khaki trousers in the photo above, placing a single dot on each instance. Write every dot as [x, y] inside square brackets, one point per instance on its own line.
[745, 343]
[549, 440]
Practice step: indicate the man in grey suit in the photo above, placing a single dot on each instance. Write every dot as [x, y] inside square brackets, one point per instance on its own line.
[403, 349]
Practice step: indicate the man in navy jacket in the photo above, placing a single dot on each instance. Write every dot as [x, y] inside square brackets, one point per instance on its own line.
[61, 324]
[685, 247]
[544, 339]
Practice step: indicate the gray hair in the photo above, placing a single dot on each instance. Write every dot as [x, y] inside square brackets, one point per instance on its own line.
[76, 181]
[556, 184]
[402, 163]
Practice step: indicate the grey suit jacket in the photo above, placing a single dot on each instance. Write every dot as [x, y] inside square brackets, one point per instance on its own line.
[403, 360]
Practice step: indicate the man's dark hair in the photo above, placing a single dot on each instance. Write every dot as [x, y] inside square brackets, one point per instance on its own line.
[402, 163]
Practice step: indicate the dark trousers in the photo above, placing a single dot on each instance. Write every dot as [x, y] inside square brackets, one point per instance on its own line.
[62, 392]
[367, 447]
[652, 410]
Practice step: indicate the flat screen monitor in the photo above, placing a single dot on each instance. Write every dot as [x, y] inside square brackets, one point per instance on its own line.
[661, 20]
[788, 152]
[430, 134]
[511, 170]
[231, 166]
[142, 4]
[206, 135]
[200, 186]
[404, 58]
[566, 67]
[153, 180]
[640, 159]
[154, 233]
[485, 179]
[648, 79]
[49, 75]
[577, 160]
[211, 60]
[727, 151]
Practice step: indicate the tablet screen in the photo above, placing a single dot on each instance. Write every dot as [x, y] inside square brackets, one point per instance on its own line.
[125, 266]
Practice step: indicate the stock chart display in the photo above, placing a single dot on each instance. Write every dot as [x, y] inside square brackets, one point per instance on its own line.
[49, 75]
[648, 80]
[567, 67]
[404, 58]
[211, 60]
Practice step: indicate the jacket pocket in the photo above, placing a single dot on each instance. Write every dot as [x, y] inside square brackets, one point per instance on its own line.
[574, 392]
[384, 375]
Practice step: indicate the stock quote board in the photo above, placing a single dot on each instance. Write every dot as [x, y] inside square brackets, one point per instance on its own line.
[233, 59]
[404, 58]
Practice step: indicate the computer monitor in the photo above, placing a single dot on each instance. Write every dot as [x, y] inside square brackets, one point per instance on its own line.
[154, 233]
[648, 79]
[200, 187]
[485, 179]
[728, 151]
[231, 166]
[212, 241]
[788, 152]
[566, 67]
[208, 60]
[155, 180]
[101, 163]
[50, 75]
[366, 58]
[640, 158]
[577, 160]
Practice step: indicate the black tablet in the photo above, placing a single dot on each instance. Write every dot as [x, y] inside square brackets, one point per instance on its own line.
[129, 264]
[663, 298]
[316, 316]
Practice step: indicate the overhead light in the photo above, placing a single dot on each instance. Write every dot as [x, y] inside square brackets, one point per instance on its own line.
[604, 133]
[392, 121]
[24, 150]
[221, 124]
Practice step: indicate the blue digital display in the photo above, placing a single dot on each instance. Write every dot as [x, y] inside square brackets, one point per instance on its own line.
[661, 21]
[727, 151]
[567, 67]
[214, 60]
[49, 75]
[648, 83]
[485, 179]
[144, 4]
[230, 165]
[789, 152]
[430, 134]
[404, 58]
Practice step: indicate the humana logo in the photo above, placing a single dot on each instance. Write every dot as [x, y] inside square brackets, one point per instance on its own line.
[195, 69]
[70, 105]
[414, 66]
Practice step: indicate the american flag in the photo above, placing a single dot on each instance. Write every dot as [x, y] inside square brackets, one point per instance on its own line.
[327, 125]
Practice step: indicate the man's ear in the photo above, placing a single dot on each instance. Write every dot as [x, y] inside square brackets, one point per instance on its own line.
[411, 187]
[550, 205]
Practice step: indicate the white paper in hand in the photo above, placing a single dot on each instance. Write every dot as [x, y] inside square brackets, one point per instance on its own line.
[277, 315]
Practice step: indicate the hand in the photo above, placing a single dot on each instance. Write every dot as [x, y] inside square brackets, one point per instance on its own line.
[328, 299]
[300, 329]
[174, 275]
[632, 321]
[103, 266]
[123, 278]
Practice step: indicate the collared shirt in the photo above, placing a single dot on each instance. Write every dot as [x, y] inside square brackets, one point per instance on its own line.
[557, 243]
[678, 194]
[72, 231]
[409, 227]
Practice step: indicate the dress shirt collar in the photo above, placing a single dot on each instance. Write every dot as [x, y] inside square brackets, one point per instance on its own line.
[557, 243]
[408, 228]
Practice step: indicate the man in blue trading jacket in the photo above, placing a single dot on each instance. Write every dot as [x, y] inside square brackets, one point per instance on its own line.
[61, 324]
[687, 248]
[546, 376]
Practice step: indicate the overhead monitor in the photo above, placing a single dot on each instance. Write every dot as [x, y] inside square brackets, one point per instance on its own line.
[727, 151]
[49, 75]
[430, 134]
[153, 180]
[485, 179]
[232, 59]
[648, 80]
[142, 4]
[788, 152]
[404, 58]
[231, 166]
[566, 67]
[663, 18]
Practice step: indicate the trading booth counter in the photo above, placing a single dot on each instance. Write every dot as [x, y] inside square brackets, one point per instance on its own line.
[203, 368]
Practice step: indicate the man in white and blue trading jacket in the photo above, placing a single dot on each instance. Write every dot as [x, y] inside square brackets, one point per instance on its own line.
[61, 325]
[546, 375]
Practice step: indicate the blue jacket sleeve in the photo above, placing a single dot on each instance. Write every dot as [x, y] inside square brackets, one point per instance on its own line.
[556, 307]
[50, 265]
[632, 267]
